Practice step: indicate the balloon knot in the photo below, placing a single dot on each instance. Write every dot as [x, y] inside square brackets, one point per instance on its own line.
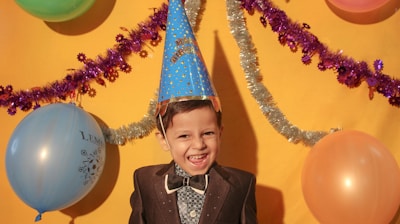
[38, 217]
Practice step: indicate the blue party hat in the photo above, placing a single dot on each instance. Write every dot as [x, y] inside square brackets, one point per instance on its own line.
[184, 75]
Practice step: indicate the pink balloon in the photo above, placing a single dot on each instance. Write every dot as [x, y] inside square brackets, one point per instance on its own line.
[349, 177]
[358, 6]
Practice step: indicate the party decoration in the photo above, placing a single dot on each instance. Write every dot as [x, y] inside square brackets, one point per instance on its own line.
[55, 10]
[55, 157]
[349, 72]
[349, 177]
[292, 34]
[184, 75]
[134, 130]
[295, 35]
[249, 63]
[358, 6]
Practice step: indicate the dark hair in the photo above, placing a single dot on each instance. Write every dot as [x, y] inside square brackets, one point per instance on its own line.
[185, 106]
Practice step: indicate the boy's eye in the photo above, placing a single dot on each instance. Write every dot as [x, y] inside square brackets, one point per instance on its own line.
[209, 133]
[183, 136]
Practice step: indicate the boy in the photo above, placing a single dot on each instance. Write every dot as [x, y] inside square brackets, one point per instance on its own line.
[193, 188]
[193, 135]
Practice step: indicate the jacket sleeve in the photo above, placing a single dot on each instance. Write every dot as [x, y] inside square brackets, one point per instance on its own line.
[137, 213]
[249, 211]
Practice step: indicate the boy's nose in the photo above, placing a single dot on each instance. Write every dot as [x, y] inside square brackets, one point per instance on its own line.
[198, 143]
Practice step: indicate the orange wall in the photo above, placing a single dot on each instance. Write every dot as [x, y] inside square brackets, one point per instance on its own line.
[34, 53]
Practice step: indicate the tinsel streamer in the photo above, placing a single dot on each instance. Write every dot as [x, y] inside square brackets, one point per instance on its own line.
[249, 63]
[192, 8]
[138, 130]
[103, 68]
[132, 131]
[349, 71]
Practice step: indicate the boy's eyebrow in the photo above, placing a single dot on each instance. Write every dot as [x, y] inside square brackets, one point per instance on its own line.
[182, 130]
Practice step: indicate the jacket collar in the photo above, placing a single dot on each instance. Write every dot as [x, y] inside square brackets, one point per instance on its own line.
[167, 202]
[216, 194]
[167, 169]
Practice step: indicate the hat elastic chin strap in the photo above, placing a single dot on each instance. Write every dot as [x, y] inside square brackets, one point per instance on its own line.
[163, 131]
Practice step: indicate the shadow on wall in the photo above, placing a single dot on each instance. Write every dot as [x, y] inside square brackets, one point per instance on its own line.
[239, 145]
[270, 207]
[103, 187]
[396, 218]
[370, 17]
[90, 20]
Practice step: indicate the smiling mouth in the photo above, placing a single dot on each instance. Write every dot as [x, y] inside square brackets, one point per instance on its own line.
[197, 158]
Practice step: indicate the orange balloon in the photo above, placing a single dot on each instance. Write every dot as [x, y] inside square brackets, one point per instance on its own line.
[358, 6]
[350, 177]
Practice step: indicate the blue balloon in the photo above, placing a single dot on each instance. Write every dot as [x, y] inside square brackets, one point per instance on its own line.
[55, 156]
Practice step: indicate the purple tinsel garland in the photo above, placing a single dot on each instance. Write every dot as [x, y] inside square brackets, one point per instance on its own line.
[296, 36]
[349, 72]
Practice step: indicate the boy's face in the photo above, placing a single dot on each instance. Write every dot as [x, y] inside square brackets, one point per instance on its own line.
[193, 139]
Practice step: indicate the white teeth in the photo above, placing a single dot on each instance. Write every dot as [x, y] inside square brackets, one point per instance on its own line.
[196, 157]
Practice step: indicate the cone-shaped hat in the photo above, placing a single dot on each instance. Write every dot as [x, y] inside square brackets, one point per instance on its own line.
[184, 75]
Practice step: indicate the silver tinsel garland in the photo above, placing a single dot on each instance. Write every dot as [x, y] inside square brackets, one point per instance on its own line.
[135, 130]
[249, 62]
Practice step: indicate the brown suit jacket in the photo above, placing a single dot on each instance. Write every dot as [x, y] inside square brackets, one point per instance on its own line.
[230, 197]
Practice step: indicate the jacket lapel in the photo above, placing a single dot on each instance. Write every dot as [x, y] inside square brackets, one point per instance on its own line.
[167, 202]
[216, 194]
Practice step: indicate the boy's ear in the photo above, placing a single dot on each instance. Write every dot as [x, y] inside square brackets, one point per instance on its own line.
[162, 140]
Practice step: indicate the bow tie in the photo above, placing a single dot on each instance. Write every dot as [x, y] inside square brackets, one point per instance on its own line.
[174, 182]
